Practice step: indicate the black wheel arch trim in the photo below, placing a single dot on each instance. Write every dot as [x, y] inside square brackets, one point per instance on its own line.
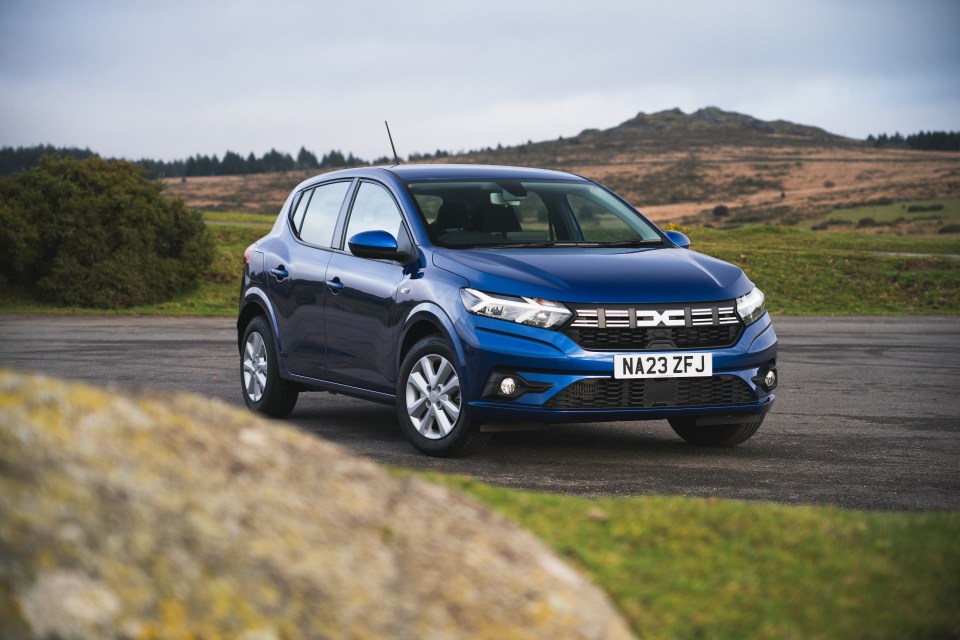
[435, 315]
[254, 296]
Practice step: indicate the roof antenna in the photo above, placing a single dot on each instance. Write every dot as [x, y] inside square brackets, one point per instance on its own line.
[396, 158]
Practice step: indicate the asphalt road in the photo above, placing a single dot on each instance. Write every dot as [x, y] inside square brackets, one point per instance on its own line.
[867, 416]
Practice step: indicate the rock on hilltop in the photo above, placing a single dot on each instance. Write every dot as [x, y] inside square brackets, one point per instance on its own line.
[162, 517]
[712, 126]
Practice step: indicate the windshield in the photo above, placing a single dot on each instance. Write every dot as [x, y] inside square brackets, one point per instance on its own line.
[521, 213]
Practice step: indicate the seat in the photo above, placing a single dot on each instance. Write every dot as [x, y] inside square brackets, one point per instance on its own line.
[499, 219]
[450, 217]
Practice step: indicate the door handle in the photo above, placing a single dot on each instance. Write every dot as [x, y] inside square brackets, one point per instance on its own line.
[280, 273]
[335, 285]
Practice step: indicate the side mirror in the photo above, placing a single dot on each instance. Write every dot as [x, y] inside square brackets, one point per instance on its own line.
[378, 245]
[679, 239]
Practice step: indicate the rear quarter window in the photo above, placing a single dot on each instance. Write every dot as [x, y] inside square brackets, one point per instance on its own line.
[320, 216]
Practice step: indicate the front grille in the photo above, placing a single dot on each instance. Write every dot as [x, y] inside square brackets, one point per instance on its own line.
[647, 327]
[608, 393]
[595, 339]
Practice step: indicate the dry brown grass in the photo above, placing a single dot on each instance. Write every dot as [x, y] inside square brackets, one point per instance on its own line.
[669, 182]
[806, 181]
[256, 193]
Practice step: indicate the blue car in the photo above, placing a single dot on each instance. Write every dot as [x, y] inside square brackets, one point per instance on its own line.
[471, 296]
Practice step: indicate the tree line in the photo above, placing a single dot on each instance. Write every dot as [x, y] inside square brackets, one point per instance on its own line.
[17, 159]
[921, 141]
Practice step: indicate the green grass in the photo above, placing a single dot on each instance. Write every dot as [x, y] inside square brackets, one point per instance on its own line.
[232, 217]
[894, 216]
[706, 568]
[800, 271]
[849, 273]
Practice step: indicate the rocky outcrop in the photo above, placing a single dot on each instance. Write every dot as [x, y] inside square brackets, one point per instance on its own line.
[717, 122]
[164, 516]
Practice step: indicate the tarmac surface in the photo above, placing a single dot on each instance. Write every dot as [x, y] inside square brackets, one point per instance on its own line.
[867, 415]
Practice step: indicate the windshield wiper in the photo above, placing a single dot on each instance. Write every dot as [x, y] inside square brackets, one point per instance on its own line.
[632, 243]
[559, 243]
[546, 244]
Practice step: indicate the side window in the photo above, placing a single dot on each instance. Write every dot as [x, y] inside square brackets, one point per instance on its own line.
[374, 209]
[320, 217]
[599, 224]
[533, 213]
[429, 205]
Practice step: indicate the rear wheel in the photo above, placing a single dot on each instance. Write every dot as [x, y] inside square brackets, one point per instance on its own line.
[263, 389]
[715, 435]
[430, 406]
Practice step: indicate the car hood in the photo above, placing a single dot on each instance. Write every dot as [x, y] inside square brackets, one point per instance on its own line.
[579, 274]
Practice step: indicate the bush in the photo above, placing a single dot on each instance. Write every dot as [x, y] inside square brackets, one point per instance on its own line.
[918, 208]
[97, 233]
[950, 228]
[721, 211]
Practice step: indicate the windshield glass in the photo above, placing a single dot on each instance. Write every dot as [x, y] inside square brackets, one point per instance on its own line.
[521, 213]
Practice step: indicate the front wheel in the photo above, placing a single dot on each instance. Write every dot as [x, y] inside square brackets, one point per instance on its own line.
[263, 389]
[430, 406]
[715, 435]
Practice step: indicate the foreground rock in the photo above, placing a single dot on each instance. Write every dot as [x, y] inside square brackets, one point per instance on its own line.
[167, 517]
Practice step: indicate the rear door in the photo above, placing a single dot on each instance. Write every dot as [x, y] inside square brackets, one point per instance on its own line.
[298, 285]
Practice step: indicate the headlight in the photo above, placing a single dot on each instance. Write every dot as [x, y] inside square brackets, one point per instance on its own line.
[532, 311]
[750, 307]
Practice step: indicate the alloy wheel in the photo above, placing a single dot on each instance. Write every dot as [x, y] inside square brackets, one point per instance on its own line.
[433, 396]
[255, 367]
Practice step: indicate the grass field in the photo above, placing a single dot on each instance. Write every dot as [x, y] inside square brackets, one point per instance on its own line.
[704, 568]
[802, 272]
[238, 218]
[842, 273]
[920, 216]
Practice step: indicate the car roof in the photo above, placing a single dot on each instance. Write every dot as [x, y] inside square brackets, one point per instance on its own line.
[414, 172]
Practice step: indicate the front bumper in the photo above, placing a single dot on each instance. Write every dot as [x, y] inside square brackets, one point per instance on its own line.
[559, 378]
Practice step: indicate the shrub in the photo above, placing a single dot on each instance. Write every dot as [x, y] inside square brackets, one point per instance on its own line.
[950, 228]
[916, 208]
[721, 211]
[866, 222]
[98, 233]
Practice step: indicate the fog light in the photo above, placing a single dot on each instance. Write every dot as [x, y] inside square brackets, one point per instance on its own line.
[770, 380]
[766, 378]
[508, 386]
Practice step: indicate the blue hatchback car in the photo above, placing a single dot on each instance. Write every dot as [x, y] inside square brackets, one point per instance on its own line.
[470, 295]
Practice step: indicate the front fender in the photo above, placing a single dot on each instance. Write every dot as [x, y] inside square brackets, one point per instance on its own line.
[438, 317]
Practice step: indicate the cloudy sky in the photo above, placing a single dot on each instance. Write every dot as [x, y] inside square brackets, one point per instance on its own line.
[170, 79]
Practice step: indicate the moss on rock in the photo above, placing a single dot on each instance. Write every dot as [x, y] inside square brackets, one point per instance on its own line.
[179, 517]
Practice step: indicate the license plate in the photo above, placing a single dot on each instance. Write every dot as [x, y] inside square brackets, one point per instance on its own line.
[663, 365]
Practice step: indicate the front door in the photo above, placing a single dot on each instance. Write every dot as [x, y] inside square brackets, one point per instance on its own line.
[362, 316]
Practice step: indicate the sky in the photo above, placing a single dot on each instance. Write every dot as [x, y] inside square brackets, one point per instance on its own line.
[167, 80]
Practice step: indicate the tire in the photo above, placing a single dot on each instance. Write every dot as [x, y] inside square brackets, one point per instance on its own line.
[264, 391]
[431, 410]
[715, 435]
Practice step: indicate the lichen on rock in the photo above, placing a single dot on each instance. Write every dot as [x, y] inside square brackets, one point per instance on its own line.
[179, 517]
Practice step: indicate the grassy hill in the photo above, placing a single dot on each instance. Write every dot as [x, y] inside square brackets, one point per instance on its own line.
[678, 166]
